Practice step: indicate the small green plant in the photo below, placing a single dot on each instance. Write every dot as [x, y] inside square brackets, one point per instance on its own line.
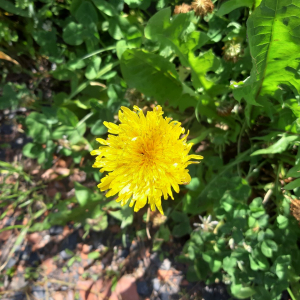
[227, 70]
[31, 273]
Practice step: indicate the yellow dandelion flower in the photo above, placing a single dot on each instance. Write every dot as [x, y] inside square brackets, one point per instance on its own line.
[146, 156]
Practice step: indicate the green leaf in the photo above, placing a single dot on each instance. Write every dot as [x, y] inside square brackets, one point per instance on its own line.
[86, 13]
[74, 6]
[74, 34]
[282, 221]
[268, 247]
[258, 261]
[119, 27]
[231, 5]
[194, 184]
[151, 74]
[93, 68]
[73, 135]
[67, 117]
[125, 215]
[293, 185]
[94, 255]
[142, 4]
[183, 228]
[11, 8]
[32, 150]
[242, 292]
[83, 194]
[62, 73]
[175, 34]
[37, 127]
[229, 264]
[106, 7]
[281, 266]
[214, 263]
[274, 41]
[98, 128]
[164, 233]
[9, 98]
[278, 147]
[293, 172]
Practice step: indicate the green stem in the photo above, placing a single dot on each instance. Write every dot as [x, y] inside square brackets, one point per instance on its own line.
[84, 119]
[257, 168]
[239, 145]
[97, 52]
[291, 294]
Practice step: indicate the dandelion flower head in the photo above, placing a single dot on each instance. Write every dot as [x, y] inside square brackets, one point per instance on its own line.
[145, 157]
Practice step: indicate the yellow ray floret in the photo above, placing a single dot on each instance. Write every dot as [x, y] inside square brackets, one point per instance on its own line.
[146, 156]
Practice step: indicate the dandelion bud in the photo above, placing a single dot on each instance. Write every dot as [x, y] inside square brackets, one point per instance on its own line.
[295, 209]
[182, 9]
[202, 7]
[232, 51]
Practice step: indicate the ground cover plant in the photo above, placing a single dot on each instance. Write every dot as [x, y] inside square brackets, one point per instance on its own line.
[228, 71]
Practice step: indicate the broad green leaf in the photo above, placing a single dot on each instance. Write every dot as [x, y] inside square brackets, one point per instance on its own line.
[164, 232]
[258, 261]
[194, 184]
[11, 8]
[282, 221]
[175, 33]
[93, 68]
[274, 39]
[98, 128]
[268, 247]
[86, 13]
[106, 7]
[48, 42]
[32, 150]
[73, 135]
[278, 147]
[67, 117]
[37, 127]
[293, 185]
[50, 114]
[156, 77]
[214, 263]
[9, 98]
[62, 73]
[294, 172]
[99, 224]
[257, 3]
[229, 264]
[162, 3]
[125, 215]
[74, 33]
[201, 65]
[183, 227]
[83, 194]
[281, 266]
[242, 292]
[120, 27]
[74, 6]
[231, 5]
[161, 26]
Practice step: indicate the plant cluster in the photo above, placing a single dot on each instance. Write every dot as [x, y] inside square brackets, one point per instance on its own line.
[227, 70]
